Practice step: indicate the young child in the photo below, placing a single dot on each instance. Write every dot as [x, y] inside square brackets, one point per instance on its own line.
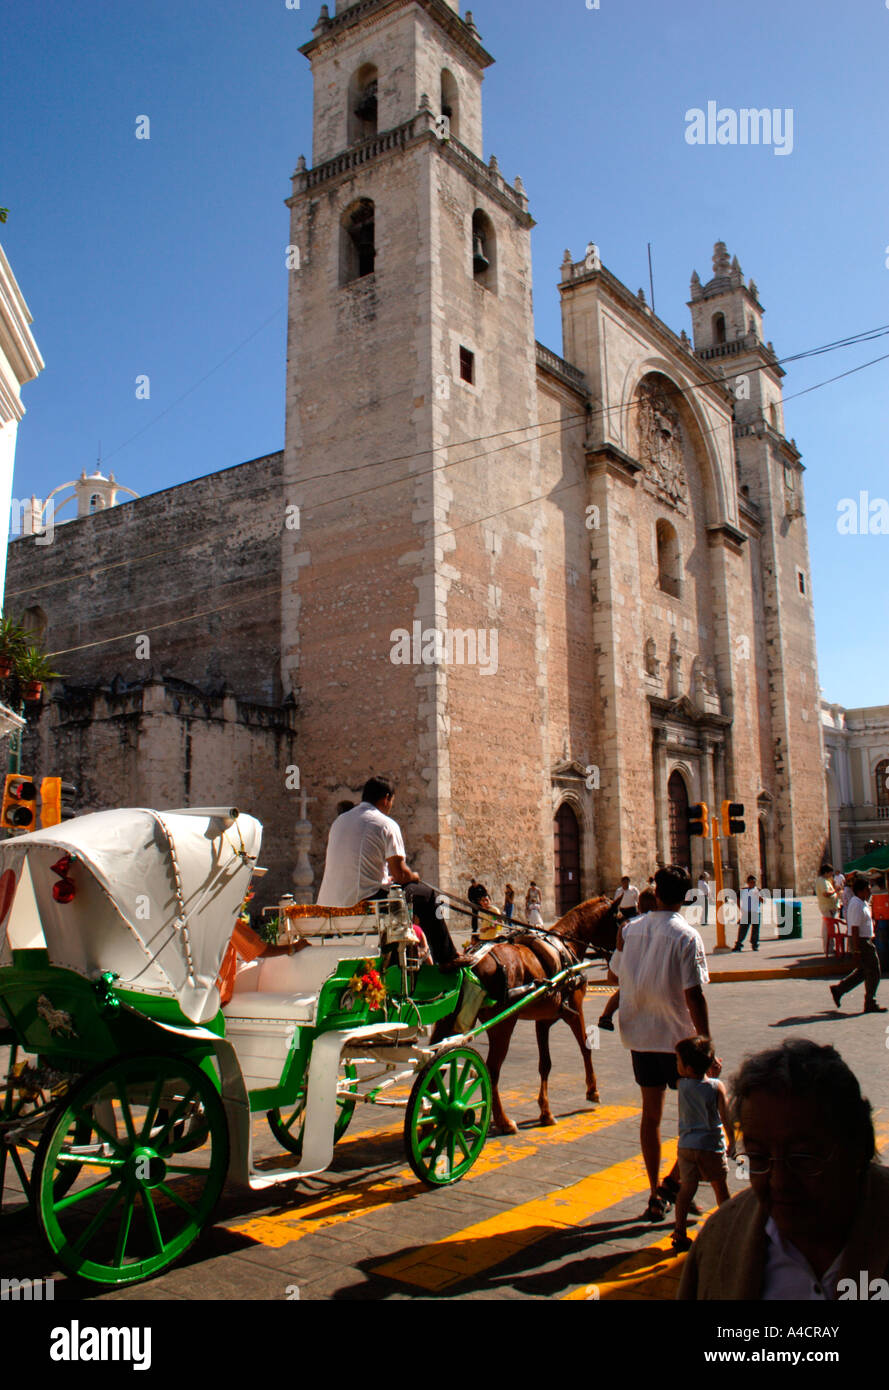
[647, 903]
[703, 1115]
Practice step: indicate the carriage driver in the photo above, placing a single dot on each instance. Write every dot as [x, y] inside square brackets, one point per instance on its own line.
[365, 854]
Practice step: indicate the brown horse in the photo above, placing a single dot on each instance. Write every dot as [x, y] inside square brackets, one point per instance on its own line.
[527, 960]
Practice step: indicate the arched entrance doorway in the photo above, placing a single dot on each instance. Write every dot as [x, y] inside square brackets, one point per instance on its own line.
[567, 843]
[680, 844]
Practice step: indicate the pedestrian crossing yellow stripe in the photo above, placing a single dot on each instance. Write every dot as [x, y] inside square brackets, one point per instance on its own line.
[654, 1272]
[469, 1252]
[359, 1198]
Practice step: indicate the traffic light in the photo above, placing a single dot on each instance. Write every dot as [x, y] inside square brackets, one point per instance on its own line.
[55, 801]
[50, 801]
[732, 818]
[698, 820]
[19, 811]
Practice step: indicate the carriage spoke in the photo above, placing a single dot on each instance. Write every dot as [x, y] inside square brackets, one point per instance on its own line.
[193, 1170]
[153, 1224]
[462, 1142]
[451, 1152]
[151, 1111]
[467, 1095]
[120, 1247]
[125, 1112]
[100, 1129]
[64, 1202]
[97, 1221]
[298, 1114]
[180, 1201]
[19, 1168]
[171, 1119]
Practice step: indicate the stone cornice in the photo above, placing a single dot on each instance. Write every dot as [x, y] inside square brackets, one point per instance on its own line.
[611, 459]
[16, 339]
[685, 712]
[328, 30]
[748, 346]
[683, 350]
[723, 533]
[420, 127]
[563, 371]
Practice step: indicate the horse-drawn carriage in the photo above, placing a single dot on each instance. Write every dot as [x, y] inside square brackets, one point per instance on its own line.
[130, 1092]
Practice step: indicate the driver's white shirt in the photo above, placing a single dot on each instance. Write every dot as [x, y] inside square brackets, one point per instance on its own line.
[360, 842]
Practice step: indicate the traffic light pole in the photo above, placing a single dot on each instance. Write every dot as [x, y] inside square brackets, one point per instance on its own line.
[717, 873]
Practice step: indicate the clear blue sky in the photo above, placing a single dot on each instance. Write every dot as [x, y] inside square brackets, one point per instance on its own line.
[165, 256]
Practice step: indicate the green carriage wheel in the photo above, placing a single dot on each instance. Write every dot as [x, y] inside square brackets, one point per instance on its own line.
[288, 1124]
[17, 1149]
[138, 1200]
[448, 1115]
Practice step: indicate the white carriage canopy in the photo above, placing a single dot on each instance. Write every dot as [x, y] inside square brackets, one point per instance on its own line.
[156, 897]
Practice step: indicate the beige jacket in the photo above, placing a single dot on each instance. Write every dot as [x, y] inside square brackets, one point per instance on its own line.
[728, 1258]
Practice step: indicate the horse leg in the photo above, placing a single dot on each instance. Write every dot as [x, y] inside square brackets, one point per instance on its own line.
[498, 1046]
[545, 1065]
[575, 1022]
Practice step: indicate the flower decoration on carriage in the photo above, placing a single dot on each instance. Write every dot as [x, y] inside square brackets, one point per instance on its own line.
[244, 909]
[367, 984]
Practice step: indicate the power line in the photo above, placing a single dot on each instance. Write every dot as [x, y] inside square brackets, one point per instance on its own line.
[276, 590]
[563, 421]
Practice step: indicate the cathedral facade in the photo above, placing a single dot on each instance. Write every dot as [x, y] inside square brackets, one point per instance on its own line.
[558, 597]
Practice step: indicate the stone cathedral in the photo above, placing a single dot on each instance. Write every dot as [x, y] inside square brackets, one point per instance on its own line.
[558, 597]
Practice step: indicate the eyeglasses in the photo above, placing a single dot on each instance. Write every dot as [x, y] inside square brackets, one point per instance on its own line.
[801, 1165]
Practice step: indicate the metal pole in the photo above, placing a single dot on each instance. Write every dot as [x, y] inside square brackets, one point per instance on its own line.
[650, 277]
[717, 870]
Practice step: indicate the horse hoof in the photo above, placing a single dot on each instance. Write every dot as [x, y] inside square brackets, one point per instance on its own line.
[547, 1120]
[593, 1097]
[507, 1127]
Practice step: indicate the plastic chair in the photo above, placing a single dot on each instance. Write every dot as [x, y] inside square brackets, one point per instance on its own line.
[836, 935]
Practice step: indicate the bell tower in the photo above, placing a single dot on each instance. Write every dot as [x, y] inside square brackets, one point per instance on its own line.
[411, 359]
[727, 320]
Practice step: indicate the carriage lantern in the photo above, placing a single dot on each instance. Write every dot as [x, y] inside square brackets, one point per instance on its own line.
[63, 891]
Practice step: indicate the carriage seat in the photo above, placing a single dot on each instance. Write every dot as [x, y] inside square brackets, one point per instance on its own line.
[288, 987]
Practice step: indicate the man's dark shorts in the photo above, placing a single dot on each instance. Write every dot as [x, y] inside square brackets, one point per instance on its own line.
[655, 1069]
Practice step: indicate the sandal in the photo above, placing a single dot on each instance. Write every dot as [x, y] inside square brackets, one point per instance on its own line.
[668, 1191]
[655, 1211]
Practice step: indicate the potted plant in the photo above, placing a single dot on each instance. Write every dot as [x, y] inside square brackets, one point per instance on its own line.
[32, 669]
[13, 644]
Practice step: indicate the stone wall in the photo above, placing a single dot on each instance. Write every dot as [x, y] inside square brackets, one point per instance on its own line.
[165, 745]
[159, 567]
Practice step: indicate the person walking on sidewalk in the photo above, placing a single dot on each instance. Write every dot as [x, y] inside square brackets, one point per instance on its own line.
[749, 915]
[861, 935]
[661, 969]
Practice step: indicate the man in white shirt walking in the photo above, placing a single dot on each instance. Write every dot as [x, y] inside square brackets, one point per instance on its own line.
[861, 934]
[365, 856]
[750, 912]
[628, 894]
[661, 969]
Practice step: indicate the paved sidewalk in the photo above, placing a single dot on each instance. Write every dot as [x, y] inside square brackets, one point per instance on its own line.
[778, 957]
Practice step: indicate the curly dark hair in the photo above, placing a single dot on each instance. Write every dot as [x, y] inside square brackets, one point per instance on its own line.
[804, 1069]
[697, 1054]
